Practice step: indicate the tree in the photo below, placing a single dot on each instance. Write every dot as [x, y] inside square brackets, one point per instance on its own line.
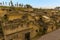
[11, 3]
[0, 4]
[17, 4]
[20, 5]
[3, 2]
[6, 3]
[28, 6]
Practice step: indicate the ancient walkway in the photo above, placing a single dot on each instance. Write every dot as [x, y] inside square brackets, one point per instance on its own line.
[51, 36]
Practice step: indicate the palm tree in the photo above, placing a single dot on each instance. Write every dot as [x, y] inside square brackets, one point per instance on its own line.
[17, 4]
[3, 2]
[21, 5]
[9, 3]
[6, 3]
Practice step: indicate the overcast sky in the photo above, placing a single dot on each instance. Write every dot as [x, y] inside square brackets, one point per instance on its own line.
[37, 3]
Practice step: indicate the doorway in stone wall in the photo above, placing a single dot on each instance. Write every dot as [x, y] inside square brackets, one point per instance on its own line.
[27, 36]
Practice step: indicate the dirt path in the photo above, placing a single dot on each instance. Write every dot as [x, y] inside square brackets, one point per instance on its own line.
[51, 36]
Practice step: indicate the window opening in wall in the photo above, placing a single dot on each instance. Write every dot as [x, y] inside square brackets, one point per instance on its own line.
[36, 30]
[11, 39]
[3, 39]
[27, 36]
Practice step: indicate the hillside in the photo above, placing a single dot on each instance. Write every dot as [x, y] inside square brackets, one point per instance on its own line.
[44, 20]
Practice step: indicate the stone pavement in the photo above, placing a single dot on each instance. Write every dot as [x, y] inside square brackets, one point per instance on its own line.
[55, 35]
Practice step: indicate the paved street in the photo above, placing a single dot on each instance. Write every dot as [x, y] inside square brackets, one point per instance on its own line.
[51, 36]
